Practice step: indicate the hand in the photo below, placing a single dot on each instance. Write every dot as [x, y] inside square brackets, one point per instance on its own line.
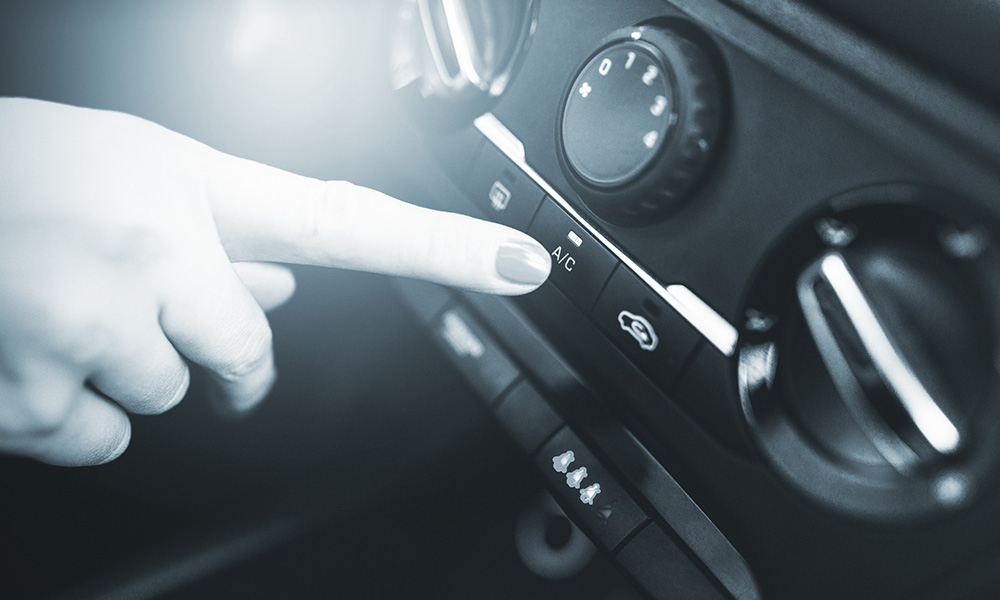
[121, 251]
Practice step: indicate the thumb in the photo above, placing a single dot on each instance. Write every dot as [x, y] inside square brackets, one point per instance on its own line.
[266, 214]
[270, 285]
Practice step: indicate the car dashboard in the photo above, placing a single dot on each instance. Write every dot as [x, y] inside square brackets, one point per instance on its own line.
[764, 365]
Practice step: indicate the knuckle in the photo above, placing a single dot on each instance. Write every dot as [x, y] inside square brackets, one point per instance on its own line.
[76, 332]
[84, 344]
[38, 416]
[327, 208]
[333, 214]
[446, 253]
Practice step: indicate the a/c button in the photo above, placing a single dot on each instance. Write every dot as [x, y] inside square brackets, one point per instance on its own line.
[580, 264]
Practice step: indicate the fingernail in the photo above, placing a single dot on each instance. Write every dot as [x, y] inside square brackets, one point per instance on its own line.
[523, 262]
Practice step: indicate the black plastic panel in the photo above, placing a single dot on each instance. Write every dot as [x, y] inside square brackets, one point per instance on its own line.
[816, 110]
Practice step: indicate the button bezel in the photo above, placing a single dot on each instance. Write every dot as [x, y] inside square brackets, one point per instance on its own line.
[709, 323]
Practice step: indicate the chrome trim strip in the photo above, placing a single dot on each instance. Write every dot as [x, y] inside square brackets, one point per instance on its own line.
[508, 143]
[461, 39]
[460, 79]
[713, 326]
[888, 444]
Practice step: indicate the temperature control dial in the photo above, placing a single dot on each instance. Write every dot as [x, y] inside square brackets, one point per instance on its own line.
[640, 122]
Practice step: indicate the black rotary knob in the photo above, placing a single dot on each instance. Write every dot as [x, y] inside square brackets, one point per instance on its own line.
[903, 336]
[641, 121]
[868, 359]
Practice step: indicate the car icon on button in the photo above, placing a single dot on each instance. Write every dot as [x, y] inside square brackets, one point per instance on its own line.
[639, 328]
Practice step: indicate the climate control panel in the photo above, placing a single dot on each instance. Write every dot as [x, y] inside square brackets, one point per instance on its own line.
[770, 270]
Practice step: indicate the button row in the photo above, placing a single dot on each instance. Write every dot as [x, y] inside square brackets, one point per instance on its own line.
[588, 491]
[582, 482]
[631, 315]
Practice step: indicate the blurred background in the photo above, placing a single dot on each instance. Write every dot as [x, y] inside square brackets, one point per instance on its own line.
[370, 471]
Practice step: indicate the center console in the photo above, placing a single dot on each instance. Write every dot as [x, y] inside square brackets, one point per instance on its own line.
[765, 364]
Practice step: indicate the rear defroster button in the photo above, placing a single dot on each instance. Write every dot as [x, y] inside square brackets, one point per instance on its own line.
[580, 264]
[502, 190]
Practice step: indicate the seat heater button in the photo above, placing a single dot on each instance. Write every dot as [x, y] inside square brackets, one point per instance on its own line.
[580, 264]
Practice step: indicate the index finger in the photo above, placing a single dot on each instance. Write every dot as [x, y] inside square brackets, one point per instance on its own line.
[266, 214]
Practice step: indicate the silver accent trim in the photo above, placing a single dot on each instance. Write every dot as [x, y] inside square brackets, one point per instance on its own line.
[434, 46]
[713, 326]
[474, 73]
[508, 143]
[461, 40]
[890, 363]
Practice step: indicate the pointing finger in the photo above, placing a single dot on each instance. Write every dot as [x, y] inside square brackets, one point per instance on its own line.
[263, 213]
